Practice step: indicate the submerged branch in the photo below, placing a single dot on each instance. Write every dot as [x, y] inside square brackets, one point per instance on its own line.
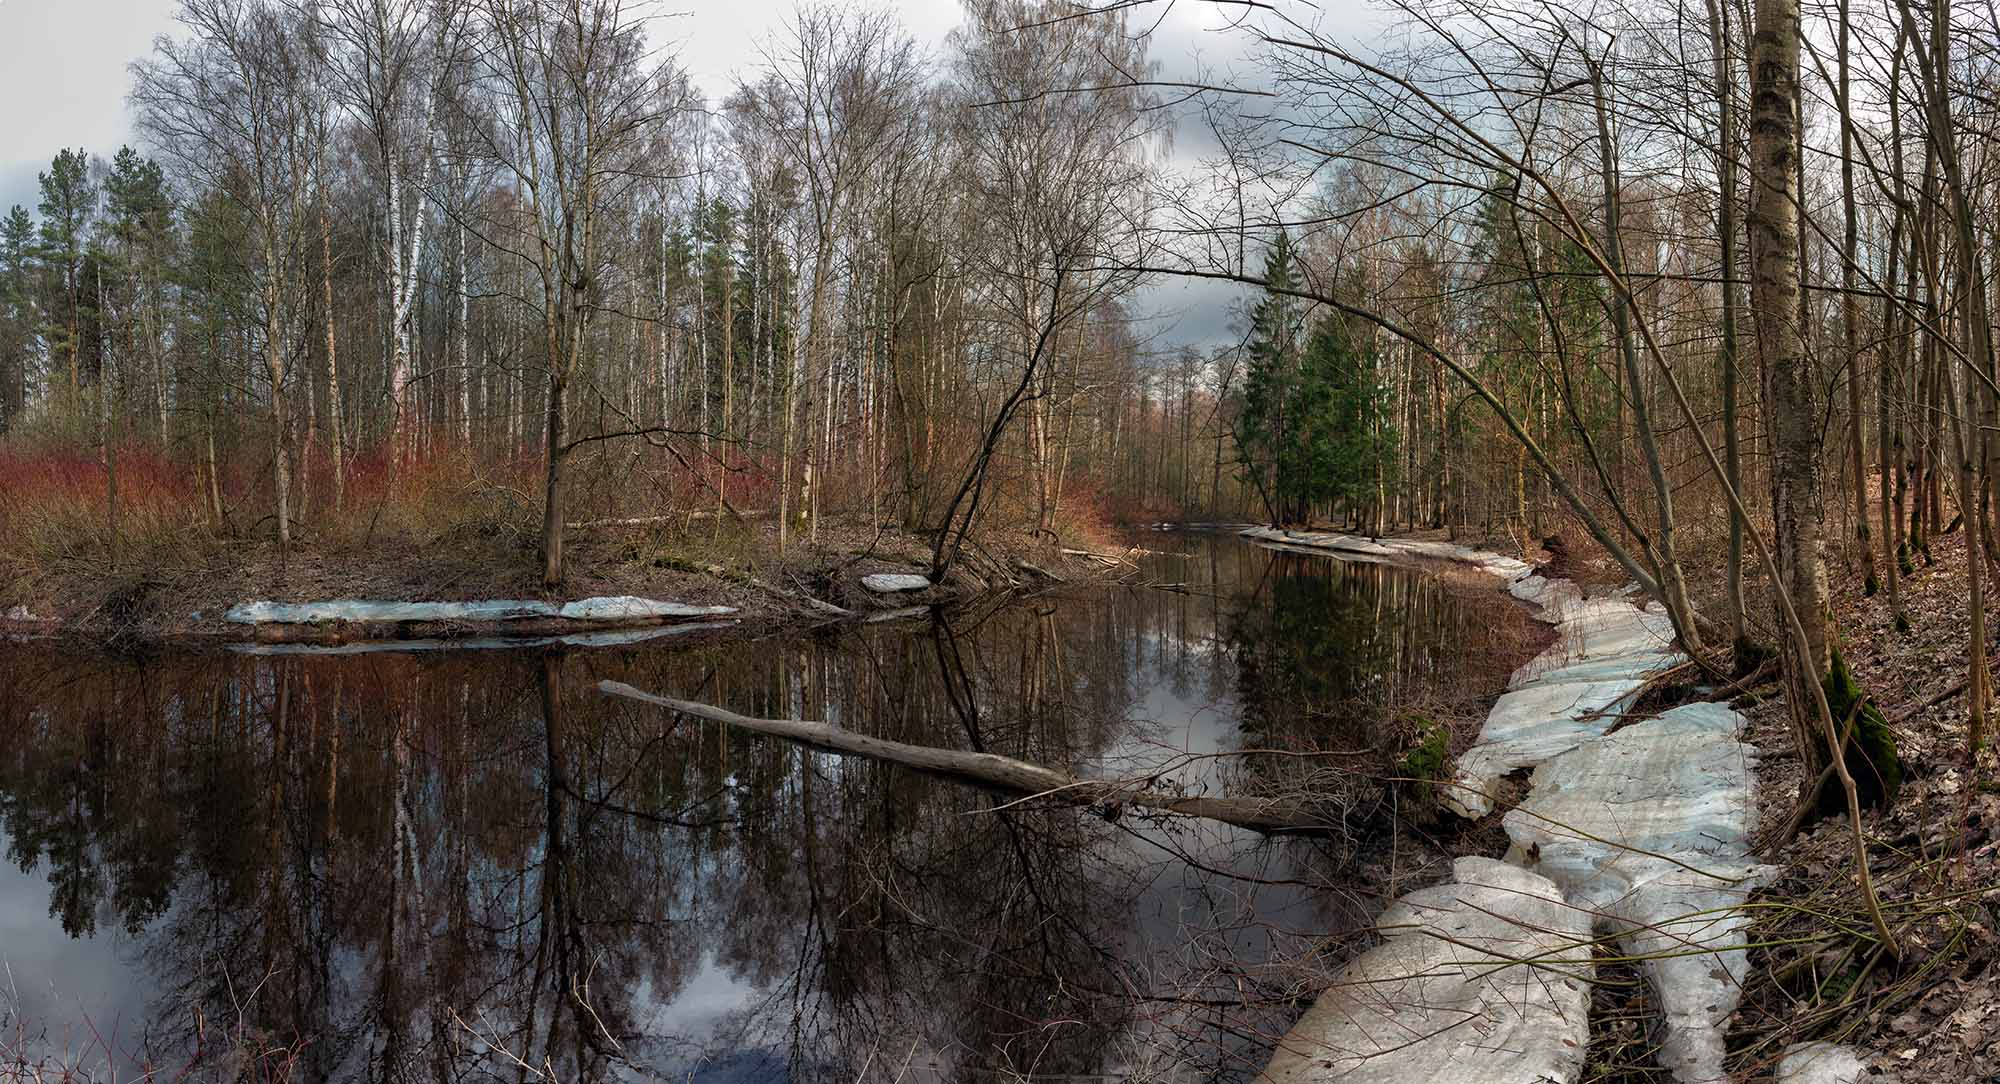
[1263, 815]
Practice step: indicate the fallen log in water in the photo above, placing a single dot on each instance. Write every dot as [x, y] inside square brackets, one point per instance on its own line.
[1263, 815]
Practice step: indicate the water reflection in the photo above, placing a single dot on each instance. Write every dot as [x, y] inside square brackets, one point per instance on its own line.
[468, 865]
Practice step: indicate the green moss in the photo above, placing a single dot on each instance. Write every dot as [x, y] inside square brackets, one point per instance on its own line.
[1871, 755]
[1871, 586]
[1903, 564]
[1423, 766]
[1902, 622]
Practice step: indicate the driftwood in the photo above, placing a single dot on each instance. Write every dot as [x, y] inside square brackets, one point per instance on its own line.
[1005, 773]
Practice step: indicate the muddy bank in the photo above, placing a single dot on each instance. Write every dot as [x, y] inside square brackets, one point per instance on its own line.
[622, 580]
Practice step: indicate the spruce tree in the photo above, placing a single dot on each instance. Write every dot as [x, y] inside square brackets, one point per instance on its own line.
[1264, 429]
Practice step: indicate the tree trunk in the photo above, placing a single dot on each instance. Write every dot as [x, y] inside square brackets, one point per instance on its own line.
[1726, 235]
[552, 490]
[1791, 389]
[1850, 315]
[335, 438]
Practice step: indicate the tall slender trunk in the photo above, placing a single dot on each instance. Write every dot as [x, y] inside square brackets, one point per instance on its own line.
[1726, 229]
[1850, 312]
[1791, 388]
[336, 440]
[464, 347]
[1673, 584]
[552, 489]
[728, 384]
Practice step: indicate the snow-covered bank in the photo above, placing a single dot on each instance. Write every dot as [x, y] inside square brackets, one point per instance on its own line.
[617, 608]
[1644, 831]
[1419, 1007]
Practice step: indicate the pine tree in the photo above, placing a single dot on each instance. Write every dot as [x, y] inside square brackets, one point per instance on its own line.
[69, 200]
[17, 313]
[1352, 430]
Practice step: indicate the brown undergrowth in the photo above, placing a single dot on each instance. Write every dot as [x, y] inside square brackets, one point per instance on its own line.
[1934, 1011]
[180, 590]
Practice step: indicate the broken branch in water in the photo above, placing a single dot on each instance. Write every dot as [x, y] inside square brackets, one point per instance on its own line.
[1006, 773]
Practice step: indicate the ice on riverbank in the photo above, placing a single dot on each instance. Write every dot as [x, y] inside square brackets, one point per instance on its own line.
[1604, 650]
[1645, 831]
[1648, 829]
[362, 611]
[630, 608]
[1482, 979]
[889, 583]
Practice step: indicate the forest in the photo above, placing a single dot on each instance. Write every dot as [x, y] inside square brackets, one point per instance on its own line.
[493, 299]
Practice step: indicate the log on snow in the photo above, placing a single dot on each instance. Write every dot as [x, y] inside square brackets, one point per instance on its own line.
[1006, 773]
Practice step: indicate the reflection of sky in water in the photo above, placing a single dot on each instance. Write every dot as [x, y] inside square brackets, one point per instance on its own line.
[1169, 686]
[57, 987]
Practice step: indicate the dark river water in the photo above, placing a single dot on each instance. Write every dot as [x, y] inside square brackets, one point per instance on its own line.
[470, 864]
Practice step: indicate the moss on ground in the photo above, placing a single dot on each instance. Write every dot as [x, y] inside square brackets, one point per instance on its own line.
[1871, 754]
[1423, 766]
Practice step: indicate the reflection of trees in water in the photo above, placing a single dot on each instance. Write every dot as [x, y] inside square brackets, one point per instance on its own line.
[1328, 651]
[371, 858]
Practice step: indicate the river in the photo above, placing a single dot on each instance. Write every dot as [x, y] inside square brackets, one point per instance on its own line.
[459, 864]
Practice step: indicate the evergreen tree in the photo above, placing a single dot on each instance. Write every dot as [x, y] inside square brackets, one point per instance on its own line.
[69, 199]
[17, 314]
[1264, 429]
[1355, 442]
[134, 244]
[1316, 430]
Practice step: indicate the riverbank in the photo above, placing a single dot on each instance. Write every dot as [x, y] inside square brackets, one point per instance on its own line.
[1934, 1012]
[1634, 827]
[705, 574]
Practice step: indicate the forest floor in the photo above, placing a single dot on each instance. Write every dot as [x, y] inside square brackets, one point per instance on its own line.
[182, 596]
[1934, 1011]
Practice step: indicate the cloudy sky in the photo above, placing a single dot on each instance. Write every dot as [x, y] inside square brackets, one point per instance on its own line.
[63, 79]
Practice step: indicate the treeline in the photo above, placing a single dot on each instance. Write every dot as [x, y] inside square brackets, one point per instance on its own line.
[362, 240]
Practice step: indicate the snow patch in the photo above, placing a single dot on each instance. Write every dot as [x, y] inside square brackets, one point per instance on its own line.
[1822, 1063]
[363, 611]
[888, 583]
[359, 611]
[1649, 830]
[1574, 690]
[1485, 978]
[631, 608]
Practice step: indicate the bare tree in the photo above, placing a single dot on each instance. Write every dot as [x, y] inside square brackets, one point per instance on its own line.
[237, 106]
[568, 97]
[1058, 141]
